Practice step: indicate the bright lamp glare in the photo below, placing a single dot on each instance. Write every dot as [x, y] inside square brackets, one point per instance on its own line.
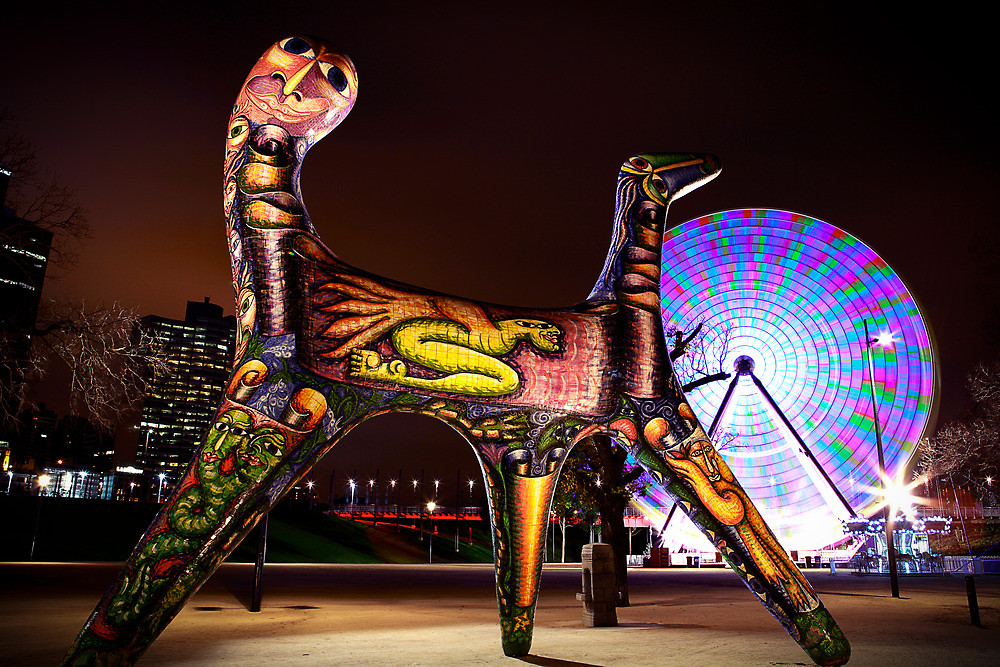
[899, 496]
[885, 339]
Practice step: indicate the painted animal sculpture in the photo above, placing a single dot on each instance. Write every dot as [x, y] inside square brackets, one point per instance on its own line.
[323, 346]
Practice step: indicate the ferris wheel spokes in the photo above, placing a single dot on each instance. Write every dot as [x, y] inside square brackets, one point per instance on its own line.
[743, 367]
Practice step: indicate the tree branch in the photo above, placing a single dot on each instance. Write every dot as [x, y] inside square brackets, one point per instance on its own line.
[707, 379]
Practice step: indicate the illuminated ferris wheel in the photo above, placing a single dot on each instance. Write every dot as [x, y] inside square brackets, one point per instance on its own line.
[788, 299]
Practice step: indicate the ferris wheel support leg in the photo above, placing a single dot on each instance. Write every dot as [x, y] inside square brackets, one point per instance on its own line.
[831, 494]
[677, 452]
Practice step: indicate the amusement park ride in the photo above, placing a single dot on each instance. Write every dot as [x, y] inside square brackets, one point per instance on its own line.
[796, 295]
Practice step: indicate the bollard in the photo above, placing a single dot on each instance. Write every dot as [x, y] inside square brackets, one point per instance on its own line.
[258, 568]
[599, 595]
[970, 589]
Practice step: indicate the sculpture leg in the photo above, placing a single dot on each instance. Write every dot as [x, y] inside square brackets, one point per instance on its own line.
[519, 509]
[246, 462]
[676, 450]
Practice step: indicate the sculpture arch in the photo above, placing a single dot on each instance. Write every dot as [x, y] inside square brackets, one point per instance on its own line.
[322, 346]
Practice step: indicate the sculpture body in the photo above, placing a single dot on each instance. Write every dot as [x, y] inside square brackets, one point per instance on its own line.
[323, 346]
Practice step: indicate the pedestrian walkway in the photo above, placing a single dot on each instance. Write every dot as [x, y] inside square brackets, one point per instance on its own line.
[446, 615]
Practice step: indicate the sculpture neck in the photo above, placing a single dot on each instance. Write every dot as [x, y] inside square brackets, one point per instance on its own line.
[631, 274]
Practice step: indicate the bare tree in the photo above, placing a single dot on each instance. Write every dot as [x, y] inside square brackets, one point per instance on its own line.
[108, 356]
[105, 353]
[108, 359]
[968, 449]
[39, 201]
[698, 356]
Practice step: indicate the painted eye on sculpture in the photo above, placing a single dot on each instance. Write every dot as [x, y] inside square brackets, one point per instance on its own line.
[334, 75]
[237, 131]
[298, 46]
[221, 426]
[237, 431]
[660, 186]
[272, 448]
[639, 163]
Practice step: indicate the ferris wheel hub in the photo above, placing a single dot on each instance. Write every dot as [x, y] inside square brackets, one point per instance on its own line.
[743, 365]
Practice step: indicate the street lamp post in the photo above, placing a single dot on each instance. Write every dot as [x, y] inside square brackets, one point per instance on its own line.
[418, 517]
[43, 481]
[430, 537]
[472, 483]
[309, 497]
[458, 505]
[392, 483]
[888, 511]
[159, 492]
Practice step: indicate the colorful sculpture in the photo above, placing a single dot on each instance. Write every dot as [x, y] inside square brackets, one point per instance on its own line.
[323, 346]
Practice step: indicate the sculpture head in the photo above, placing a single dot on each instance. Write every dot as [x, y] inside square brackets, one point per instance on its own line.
[302, 84]
[666, 176]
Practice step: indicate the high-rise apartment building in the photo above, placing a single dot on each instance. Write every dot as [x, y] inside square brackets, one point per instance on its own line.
[24, 257]
[179, 406]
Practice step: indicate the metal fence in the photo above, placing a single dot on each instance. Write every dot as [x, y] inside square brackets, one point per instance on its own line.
[972, 565]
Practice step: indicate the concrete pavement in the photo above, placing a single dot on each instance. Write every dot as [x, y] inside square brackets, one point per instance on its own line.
[446, 614]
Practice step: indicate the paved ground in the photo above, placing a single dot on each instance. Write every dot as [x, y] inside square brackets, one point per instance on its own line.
[446, 614]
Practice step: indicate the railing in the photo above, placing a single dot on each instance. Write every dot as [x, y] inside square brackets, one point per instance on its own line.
[968, 512]
[970, 565]
[632, 511]
[407, 511]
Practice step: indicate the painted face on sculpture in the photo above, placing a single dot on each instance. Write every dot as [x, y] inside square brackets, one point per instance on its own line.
[302, 84]
[236, 450]
[705, 456]
[652, 182]
[542, 334]
[246, 304]
[236, 136]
